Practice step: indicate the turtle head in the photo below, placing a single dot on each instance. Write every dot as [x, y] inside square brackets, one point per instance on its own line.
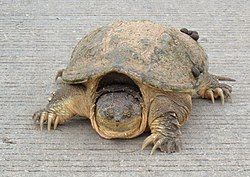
[118, 113]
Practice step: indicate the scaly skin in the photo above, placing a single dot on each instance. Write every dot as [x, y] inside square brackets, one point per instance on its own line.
[168, 111]
[166, 115]
[64, 104]
[212, 89]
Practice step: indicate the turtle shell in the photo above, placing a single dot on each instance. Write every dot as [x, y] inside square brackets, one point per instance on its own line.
[150, 53]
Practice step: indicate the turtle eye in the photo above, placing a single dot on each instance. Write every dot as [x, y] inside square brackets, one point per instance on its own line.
[109, 113]
[127, 114]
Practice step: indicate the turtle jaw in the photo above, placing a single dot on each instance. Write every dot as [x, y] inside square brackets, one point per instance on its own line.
[110, 129]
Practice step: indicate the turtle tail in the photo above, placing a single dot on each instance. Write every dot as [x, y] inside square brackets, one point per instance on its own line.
[224, 78]
[59, 74]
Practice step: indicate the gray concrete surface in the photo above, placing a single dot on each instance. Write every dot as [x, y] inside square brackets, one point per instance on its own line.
[37, 38]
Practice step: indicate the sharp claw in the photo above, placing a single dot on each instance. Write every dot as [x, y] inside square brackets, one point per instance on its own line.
[49, 123]
[51, 117]
[157, 145]
[42, 118]
[222, 99]
[221, 94]
[212, 98]
[147, 141]
[56, 122]
[211, 94]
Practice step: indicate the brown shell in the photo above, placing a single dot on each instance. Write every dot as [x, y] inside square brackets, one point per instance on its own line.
[154, 54]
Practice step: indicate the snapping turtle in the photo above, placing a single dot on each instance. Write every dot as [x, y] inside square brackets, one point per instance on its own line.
[129, 77]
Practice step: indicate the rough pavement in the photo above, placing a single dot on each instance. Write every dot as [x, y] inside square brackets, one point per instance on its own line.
[37, 38]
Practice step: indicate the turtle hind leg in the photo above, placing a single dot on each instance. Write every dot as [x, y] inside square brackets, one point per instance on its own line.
[167, 114]
[213, 89]
[64, 104]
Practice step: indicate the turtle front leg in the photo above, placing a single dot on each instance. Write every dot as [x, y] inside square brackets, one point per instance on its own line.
[167, 114]
[212, 89]
[166, 134]
[64, 104]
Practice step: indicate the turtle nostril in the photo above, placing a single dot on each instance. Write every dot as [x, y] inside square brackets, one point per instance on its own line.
[117, 118]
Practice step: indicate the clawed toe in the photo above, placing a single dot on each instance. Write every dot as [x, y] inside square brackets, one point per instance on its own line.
[165, 144]
[215, 89]
[44, 116]
[223, 92]
[218, 93]
[149, 140]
